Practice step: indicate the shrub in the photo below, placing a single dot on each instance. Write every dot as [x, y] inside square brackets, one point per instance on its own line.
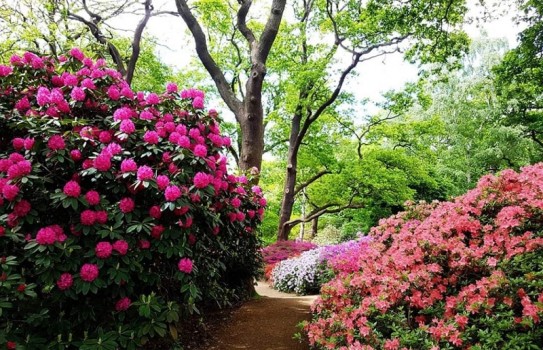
[306, 273]
[299, 274]
[453, 275]
[282, 250]
[117, 215]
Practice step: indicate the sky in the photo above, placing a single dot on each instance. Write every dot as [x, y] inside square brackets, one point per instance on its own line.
[375, 77]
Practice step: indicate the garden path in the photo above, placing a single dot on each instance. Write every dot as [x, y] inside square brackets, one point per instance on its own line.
[264, 323]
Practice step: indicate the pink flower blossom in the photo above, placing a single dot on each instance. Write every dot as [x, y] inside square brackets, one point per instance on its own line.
[43, 96]
[101, 217]
[46, 236]
[162, 182]
[123, 304]
[146, 115]
[28, 143]
[56, 142]
[144, 244]
[172, 193]
[127, 205]
[152, 99]
[5, 70]
[75, 154]
[18, 143]
[120, 246]
[113, 93]
[105, 137]
[113, 149]
[22, 208]
[65, 281]
[185, 265]
[171, 88]
[151, 137]
[103, 250]
[128, 166]
[102, 162]
[127, 126]
[155, 212]
[183, 141]
[88, 84]
[72, 189]
[200, 151]
[77, 54]
[123, 113]
[157, 230]
[88, 217]
[145, 173]
[78, 94]
[201, 180]
[92, 197]
[89, 272]
[23, 104]
[69, 79]
[10, 192]
[236, 202]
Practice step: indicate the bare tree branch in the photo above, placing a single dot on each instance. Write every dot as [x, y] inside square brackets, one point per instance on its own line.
[136, 41]
[323, 210]
[242, 24]
[311, 180]
[270, 30]
[99, 36]
[209, 63]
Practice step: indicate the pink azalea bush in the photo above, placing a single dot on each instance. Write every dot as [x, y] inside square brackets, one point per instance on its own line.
[110, 228]
[465, 274]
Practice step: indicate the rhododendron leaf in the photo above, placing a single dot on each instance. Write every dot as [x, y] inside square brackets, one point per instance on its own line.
[31, 245]
[145, 310]
[173, 328]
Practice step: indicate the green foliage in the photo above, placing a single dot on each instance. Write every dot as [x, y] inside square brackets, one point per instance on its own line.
[465, 104]
[329, 235]
[518, 77]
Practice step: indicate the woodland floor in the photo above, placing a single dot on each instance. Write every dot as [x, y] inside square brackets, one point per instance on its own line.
[267, 322]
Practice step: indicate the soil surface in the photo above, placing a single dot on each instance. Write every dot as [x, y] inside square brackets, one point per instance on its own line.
[267, 322]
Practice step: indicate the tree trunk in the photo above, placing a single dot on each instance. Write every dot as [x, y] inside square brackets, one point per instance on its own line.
[314, 227]
[251, 121]
[290, 181]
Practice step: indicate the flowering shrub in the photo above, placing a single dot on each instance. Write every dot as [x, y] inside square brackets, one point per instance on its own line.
[282, 250]
[117, 214]
[453, 275]
[306, 273]
[299, 274]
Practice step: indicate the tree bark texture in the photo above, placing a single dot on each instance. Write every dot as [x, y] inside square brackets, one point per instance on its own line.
[290, 181]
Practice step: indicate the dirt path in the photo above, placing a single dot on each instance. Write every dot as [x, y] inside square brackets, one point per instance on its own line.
[265, 323]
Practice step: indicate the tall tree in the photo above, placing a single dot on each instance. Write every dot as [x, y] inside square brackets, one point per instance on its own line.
[427, 31]
[245, 103]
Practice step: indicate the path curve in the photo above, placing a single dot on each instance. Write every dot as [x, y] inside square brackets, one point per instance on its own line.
[265, 323]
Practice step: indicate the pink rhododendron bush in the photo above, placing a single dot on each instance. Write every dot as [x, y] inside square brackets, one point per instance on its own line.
[466, 274]
[117, 214]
